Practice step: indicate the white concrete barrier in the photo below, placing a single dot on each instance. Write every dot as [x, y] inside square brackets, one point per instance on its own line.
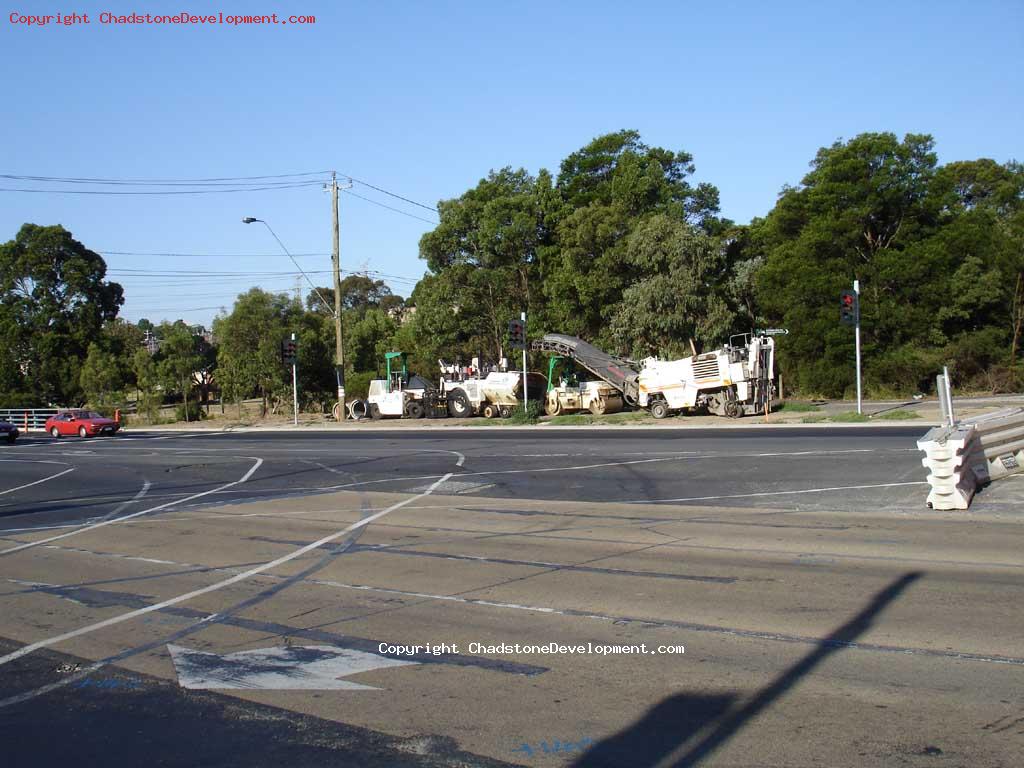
[999, 443]
[948, 455]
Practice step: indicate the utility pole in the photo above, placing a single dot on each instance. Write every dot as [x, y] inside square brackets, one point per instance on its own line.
[339, 352]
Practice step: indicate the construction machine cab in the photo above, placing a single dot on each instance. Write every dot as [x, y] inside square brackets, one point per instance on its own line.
[398, 371]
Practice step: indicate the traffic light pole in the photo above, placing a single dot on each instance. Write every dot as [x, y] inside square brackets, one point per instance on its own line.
[856, 290]
[295, 389]
[526, 398]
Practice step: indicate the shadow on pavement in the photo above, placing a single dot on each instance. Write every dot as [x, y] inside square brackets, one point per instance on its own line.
[670, 729]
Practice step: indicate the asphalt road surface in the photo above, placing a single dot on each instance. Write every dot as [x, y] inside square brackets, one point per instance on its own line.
[591, 597]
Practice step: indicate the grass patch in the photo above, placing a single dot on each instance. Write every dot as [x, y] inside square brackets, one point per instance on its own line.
[796, 406]
[611, 419]
[816, 419]
[571, 419]
[851, 417]
[898, 415]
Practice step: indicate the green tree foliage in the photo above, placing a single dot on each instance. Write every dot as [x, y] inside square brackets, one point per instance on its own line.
[557, 248]
[249, 350]
[147, 382]
[934, 250]
[54, 300]
[179, 360]
[101, 378]
[681, 296]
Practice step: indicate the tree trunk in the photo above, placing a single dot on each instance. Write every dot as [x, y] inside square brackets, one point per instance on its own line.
[185, 392]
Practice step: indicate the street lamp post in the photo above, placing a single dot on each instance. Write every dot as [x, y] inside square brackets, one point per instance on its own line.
[335, 312]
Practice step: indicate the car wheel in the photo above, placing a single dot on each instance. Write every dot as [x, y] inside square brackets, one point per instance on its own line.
[458, 403]
[83, 432]
[55, 432]
[11, 437]
[660, 410]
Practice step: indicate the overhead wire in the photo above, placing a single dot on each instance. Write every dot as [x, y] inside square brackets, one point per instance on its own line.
[390, 208]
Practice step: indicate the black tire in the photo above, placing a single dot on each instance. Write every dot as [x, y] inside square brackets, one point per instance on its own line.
[414, 410]
[732, 409]
[11, 437]
[55, 433]
[458, 404]
[490, 411]
[83, 432]
[506, 411]
[660, 410]
[375, 413]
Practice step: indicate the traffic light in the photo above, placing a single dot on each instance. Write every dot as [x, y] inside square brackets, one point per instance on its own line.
[289, 351]
[849, 309]
[517, 334]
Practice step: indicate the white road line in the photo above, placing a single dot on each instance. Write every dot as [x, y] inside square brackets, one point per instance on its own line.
[678, 457]
[25, 650]
[37, 482]
[773, 493]
[104, 523]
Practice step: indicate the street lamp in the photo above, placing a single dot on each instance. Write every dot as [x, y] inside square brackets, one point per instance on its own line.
[336, 313]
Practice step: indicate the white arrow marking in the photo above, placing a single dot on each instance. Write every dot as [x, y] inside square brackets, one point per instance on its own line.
[293, 668]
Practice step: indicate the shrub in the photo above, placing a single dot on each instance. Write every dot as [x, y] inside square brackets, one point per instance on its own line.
[195, 412]
[528, 415]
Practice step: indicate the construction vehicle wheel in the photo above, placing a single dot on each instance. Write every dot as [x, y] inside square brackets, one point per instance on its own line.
[506, 411]
[660, 410]
[490, 411]
[414, 410]
[553, 407]
[599, 406]
[458, 404]
[375, 413]
[732, 409]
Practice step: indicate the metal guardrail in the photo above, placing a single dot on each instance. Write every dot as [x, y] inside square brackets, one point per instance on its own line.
[28, 419]
[972, 452]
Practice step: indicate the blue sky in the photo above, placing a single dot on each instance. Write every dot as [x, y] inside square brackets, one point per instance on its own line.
[424, 98]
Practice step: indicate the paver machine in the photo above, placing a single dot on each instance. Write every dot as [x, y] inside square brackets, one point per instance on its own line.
[469, 392]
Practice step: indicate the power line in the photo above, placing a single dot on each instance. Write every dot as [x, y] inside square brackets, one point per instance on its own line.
[208, 255]
[152, 182]
[390, 208]
[431, 208]
[295, 185]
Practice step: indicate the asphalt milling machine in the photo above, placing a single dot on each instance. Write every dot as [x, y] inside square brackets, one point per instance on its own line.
[733, 381]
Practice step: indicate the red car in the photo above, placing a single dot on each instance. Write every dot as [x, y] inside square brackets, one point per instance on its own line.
[81, 423]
